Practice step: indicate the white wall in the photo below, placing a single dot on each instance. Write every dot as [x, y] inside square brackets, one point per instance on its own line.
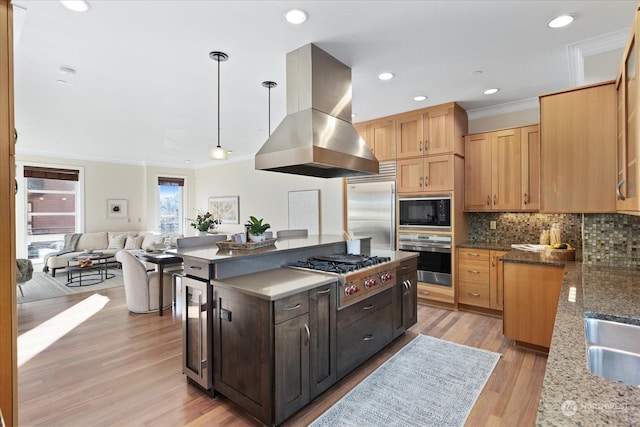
[265, 194]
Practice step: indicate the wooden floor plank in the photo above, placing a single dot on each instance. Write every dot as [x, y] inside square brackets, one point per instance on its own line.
[121, 369]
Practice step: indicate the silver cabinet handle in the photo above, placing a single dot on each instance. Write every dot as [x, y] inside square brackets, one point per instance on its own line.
[488, 200]
[471, 294]
[306, 327]
[473, 271]
[426, 181]
[526, 199]
[367, 337]
[426, 145]
[326, 291]
[473, 254]
[618, 192]
[420, 181]
[494, 199]
[369, 307]
[195, 267]
[295, 307]
[420, 145]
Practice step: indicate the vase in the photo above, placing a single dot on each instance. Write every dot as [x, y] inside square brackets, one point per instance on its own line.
[201, 233]
[256, 239]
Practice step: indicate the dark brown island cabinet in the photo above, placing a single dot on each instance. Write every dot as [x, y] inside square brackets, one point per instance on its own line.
[272, 353]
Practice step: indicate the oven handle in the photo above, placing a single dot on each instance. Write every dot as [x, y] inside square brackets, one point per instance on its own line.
[420, 248]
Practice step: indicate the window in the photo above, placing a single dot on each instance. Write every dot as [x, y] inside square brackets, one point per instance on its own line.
[51, 204]
[171, 204]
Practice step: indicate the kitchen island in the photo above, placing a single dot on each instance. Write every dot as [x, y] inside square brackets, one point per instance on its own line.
[271, 336]
[571, 394]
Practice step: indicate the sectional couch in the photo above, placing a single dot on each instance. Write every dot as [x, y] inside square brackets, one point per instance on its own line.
[108, 242]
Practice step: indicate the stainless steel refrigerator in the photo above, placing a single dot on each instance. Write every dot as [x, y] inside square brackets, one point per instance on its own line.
[371, 208]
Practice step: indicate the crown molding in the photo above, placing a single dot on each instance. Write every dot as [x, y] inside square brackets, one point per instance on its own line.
[509, 107]
[576, 52]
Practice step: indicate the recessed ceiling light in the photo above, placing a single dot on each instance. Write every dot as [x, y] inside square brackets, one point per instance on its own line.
[385, 76]
[419, 98]
[353, 115]
[296, 16]
[187, 161]
[560, 21]
[76, 5]
[62, 82]
[491, 91]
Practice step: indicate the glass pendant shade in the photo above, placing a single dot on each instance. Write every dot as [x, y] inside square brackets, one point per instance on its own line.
[218, 153]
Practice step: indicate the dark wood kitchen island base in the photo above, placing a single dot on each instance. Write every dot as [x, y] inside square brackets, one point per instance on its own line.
[509, 398]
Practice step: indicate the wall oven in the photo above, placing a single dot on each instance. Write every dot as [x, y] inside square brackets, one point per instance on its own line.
[434, 256]
[426, 213]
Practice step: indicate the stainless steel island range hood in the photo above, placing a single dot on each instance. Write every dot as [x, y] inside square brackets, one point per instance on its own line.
[316, 138]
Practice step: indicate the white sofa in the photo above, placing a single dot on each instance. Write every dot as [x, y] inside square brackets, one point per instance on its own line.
[109, 242]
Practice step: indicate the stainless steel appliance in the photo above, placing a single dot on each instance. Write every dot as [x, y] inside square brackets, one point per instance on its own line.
[434, 256]
[359, 276]
[197, 335]
[428, 213]
[371, 207]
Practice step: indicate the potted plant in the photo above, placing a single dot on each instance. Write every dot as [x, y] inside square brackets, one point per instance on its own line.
[256, 228]
[204, 222]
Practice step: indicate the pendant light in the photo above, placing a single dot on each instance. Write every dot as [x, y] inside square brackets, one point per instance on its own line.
[218, 152]
[268, 84]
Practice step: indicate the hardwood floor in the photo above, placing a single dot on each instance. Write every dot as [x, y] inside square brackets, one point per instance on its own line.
[111, 367]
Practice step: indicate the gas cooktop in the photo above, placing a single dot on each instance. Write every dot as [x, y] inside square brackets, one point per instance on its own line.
[339, 263]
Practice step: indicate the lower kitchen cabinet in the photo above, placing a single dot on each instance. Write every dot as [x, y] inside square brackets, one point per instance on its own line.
[405, 297]
[322, 355]
[363, 329]
[480, 278]
[531, 293]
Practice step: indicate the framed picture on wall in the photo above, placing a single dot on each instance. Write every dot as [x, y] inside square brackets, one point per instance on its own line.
[225, 208]
[116, 208]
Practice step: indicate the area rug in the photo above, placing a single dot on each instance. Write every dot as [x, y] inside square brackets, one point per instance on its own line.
[429, 382]
[43, 286]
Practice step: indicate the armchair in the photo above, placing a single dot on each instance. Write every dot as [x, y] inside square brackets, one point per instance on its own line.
[141, 289]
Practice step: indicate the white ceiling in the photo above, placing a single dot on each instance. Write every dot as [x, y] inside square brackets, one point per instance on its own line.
[145, 89]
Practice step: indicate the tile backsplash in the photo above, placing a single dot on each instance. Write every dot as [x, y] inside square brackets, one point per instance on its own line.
[522, 227]
[611, 239]
[605, 239]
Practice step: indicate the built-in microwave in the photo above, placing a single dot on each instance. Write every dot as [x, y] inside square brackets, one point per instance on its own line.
[429, 212]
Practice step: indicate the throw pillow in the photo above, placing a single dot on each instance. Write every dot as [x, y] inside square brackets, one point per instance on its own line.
[117, 242]
[150, 239]
[133, 242]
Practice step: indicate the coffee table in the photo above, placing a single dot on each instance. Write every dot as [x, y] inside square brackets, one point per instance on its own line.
[95, 273]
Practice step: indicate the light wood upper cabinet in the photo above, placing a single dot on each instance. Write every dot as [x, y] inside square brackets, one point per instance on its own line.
[429, 174]
[499, 173]
[434, 131]
[627, 200]
[578, 145]
[380, 137]
[530, 151]
[477, 172]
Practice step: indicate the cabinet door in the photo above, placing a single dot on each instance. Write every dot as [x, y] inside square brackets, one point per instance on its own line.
[242, 364]
[477, 172]
[291, 366]
[530, 151]
[506, 169]
[627, 129]
[382, 134]
[438, 173]
[410, 178]
[409, 142]
[531, 295]
[409, 283]
[578, 144]
[438, 131]
[322, 322]
[496, 280]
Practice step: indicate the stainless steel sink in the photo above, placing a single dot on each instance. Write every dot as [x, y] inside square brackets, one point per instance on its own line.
[613, 350]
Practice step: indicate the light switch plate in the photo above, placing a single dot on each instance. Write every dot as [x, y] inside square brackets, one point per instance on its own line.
[493, 225]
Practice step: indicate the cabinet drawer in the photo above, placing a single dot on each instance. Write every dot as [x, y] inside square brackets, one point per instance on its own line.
[196, 269]
[361, 340]
[363, 308]
[474, 294]
[474, 271]
[290, 307]
[473, 254]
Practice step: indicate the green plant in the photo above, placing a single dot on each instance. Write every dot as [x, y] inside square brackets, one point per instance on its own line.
[204, 221]
[256, 227]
